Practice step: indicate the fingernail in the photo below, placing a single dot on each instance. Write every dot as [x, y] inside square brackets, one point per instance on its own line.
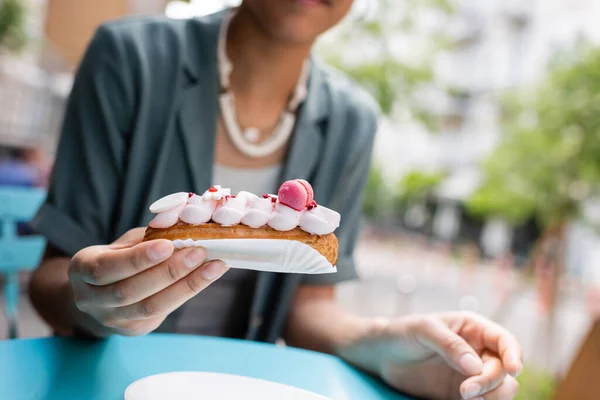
[471, 364]
[194, 258]
[213, 270]
[159, 251]
[518, 367]
[471, 390]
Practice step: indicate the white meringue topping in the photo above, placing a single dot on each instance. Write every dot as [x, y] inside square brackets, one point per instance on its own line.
[258, 212]
[245, 208]
[216, 193]
[230, 211]
[168, 202]
[167, 218]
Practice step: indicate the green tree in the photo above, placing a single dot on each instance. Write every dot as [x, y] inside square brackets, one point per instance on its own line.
[418, 185]
[547, 162]
[376, 197]
[12, 25]
[365, 50]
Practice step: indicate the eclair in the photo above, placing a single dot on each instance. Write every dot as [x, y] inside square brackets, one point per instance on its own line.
[292, 214]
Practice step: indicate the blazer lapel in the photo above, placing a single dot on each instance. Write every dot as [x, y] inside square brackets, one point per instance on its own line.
[198, 123]
[198, 104]
[305, 147]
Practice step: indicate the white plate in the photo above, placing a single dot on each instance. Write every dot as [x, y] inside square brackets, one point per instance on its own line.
[212, 386]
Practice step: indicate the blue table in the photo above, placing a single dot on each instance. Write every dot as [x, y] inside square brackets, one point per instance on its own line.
[65, 369]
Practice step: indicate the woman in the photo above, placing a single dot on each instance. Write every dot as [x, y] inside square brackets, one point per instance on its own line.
[162, 106]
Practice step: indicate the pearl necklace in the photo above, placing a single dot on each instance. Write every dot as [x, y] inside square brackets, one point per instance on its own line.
[245, 141]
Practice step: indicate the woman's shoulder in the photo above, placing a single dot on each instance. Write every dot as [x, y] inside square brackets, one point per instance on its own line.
[156, 34]
[134, 25]
[348, 94]
[350, 99]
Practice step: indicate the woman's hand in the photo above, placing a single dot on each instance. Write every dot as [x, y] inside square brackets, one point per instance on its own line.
[444, 356]
[131, 286]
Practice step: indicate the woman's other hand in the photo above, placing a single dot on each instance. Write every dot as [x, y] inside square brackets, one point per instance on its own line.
[443, 356]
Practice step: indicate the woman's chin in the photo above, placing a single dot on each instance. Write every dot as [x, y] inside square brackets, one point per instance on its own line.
[296, 31]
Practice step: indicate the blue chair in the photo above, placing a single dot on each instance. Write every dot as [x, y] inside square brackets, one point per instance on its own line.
[17, 253]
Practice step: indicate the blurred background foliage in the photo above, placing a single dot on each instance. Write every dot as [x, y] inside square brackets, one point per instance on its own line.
[536, 385]
[546, 164]
[417, 185]
[391, 77]
[12, 26]
[381, 199]
[377, 195]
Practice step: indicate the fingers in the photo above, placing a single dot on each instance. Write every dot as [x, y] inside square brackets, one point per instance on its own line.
[507, 390]
[502, 342]
[172, 297]
[491, 377]
[494, 338]
[436, 336]
[101, 265]
[146, 283]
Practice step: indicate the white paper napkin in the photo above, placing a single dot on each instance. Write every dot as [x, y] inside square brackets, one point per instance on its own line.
[271, 255]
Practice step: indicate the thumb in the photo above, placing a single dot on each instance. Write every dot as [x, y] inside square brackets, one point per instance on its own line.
[451, 347]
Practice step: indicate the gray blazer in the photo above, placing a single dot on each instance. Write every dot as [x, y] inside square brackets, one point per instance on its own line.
[141, 123]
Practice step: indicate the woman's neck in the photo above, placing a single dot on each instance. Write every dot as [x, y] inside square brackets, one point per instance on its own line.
[264, 70]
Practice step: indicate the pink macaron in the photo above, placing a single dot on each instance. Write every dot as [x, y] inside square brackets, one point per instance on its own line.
[296, 194]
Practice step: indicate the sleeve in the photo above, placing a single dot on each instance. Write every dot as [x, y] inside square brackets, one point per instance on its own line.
[84, 185]
[352, 181]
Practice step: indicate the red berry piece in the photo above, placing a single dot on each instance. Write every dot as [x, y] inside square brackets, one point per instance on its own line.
[213, 189]
[268, 196]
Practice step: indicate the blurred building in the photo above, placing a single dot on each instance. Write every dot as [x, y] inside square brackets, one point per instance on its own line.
[498, 45]
[69, 24]
[35, 84]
